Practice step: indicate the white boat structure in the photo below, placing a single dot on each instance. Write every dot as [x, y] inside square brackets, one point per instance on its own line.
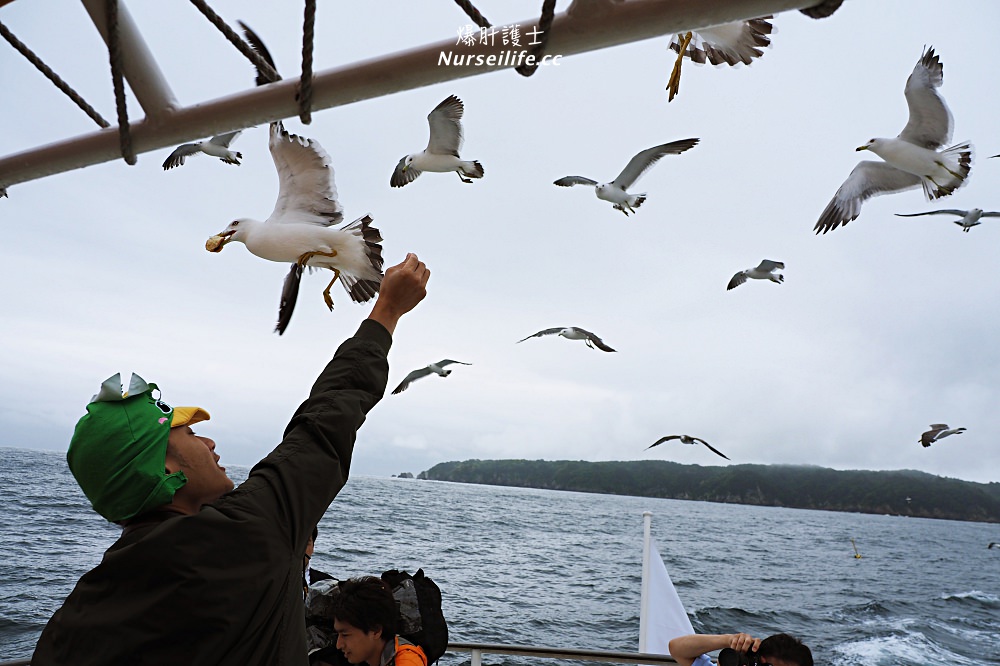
[584, 25]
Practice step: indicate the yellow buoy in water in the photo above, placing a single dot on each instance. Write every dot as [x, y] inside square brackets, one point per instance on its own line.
[857, 555]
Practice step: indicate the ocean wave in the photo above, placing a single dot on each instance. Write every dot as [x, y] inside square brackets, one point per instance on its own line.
[982, 599]
[902, 649]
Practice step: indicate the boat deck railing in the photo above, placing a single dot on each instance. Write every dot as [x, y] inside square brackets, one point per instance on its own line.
[479, 649]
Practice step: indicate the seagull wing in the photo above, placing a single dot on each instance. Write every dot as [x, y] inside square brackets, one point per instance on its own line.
[767, 265]
[569, 181]
[945, 211]
[446, 127]
[867, 180]
[225, 139]
[596, 340]
[930, 436]
[448, 361]
[991, 213]
[930, 121]
[289, 294]
[401, 177]
[661, 440]
[641, 163]
[410, 378]
[257, 44]
[548, 331]
[180, 153]
[711, 448]
[737, 280]
[306, 191]
[730, 43]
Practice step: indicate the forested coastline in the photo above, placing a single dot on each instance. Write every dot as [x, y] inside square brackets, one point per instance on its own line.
[903, 492]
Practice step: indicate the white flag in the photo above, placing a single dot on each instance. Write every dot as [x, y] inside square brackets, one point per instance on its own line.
[662, 616]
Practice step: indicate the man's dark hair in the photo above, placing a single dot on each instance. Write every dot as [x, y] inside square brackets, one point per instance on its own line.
[315, 534]
[366, 603]
[786, 648]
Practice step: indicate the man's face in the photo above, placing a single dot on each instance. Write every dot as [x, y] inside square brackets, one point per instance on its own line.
[196, 457]
[359, 646]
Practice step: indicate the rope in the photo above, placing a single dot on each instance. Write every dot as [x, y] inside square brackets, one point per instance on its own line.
[305, 83]
[52, 76]
[473, 13]
[544, 26]
[262, 65]
[115, 52]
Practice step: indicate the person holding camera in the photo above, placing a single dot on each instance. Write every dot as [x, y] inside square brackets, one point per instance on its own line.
[740, 649]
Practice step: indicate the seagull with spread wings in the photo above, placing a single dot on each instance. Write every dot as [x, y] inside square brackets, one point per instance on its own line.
[765, 270]
[301, 229]
[432, 369]
[938, 432]
[441, 153]
[970, 218]
[573, 333]
[913, 158]
[217, 146]
[687, 439]
[731, 43]
[617, 190]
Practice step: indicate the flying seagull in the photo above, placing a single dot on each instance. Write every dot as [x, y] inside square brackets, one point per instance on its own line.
[970, 218]
[217, 146]
[991, 544]
[731, 43]
[433, 368]
[912, 159]
[300, 228]
[687, 439]
[617, 190]
[765, 270]
[938, 432]
[441, 153]
[573, 333]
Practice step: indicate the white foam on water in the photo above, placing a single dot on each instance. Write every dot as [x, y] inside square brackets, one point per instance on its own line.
[909, 648]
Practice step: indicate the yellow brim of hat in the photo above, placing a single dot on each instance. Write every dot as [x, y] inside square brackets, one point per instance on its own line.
[188, 416]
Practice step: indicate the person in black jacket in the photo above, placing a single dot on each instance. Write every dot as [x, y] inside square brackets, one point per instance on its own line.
[203, 573]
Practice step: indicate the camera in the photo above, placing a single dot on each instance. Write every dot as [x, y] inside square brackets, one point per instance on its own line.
[730, 657]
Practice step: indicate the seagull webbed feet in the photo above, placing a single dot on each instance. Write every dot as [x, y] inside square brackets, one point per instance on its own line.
[674, 82]
[326, 292]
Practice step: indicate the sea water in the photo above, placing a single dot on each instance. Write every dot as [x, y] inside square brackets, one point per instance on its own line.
[561, 569]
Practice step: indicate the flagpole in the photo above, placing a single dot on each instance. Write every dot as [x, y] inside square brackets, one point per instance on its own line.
[647, 523]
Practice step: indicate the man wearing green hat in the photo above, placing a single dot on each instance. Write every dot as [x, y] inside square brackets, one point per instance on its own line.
[203, 573]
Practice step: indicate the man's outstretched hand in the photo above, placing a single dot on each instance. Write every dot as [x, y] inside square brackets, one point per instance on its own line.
[403, 286]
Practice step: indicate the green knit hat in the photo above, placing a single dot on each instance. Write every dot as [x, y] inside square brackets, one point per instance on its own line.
[118, 450]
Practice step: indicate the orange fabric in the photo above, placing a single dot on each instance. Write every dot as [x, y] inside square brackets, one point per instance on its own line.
[408, 654]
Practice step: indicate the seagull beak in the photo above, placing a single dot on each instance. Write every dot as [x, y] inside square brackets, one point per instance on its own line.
[865, 147]
[405, 167]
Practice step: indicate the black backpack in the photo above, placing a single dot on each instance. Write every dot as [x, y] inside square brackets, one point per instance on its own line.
[421, 620]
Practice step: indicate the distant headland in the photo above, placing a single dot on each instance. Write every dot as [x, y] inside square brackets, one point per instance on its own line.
[903, 492]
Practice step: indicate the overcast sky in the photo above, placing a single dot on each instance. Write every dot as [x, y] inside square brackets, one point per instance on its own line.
[881, 327]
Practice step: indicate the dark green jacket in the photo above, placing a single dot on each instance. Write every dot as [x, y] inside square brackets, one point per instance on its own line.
[225, 586]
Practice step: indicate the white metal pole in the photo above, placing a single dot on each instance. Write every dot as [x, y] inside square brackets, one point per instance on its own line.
[647, 524]
[138, 64]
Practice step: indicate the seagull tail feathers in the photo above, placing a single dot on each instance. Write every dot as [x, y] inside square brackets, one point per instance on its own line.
[957, 161]
[472, 170]
[364, 289]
